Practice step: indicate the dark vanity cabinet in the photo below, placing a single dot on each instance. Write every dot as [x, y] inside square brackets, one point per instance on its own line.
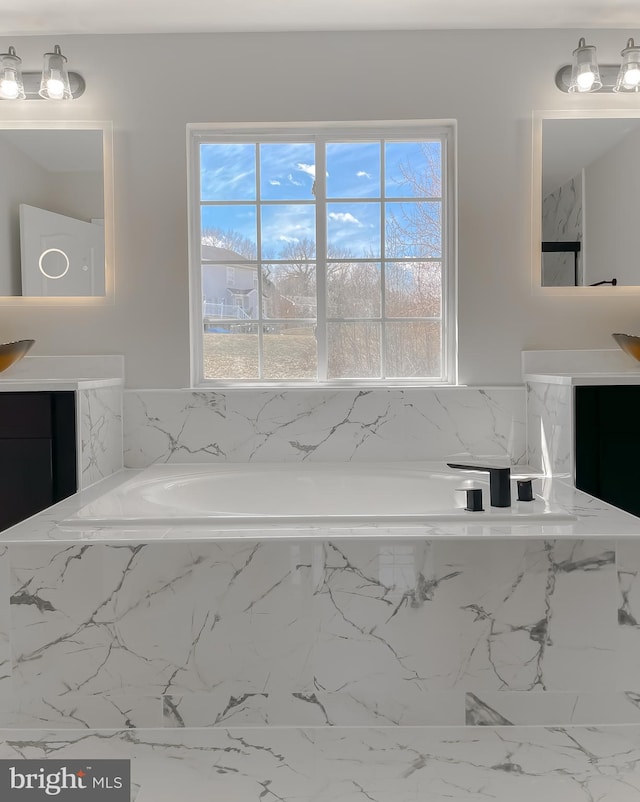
[37, 452]
[607, 443]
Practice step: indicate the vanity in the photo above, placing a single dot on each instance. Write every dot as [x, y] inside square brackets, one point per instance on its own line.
[57, 435]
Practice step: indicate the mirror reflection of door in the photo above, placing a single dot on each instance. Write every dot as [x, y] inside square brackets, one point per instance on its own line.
[57, 169]
[60, 256]
[590, 191]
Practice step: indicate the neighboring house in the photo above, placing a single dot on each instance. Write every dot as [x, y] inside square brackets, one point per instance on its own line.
[229, 286]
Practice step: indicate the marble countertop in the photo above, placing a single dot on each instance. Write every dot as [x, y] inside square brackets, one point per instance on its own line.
[48, 373]
[580, 368]
[579, 379]
[49, 385]
[593, 519]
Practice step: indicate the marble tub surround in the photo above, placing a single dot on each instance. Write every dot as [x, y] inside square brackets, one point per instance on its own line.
[550, 378]
[550, 428]
[320, 424]
[330, 633]
[100, 418]
[573, 764]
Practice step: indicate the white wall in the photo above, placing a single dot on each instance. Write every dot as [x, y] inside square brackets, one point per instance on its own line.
[612, 192]
[151, 86]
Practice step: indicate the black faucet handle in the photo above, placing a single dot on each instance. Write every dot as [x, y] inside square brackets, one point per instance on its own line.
[474, 499]
[525, 490]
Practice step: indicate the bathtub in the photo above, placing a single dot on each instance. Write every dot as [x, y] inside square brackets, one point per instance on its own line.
[294, 493]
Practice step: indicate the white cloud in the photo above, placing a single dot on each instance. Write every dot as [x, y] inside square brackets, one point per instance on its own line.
[363, 174]
[293, 180]
[274, 183]
[309, 169]
[344, 217]
[282, 238]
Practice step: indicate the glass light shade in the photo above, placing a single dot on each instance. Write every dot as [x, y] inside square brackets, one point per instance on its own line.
[629, 75]
[585, 75]
[55, 80]
[11, 86]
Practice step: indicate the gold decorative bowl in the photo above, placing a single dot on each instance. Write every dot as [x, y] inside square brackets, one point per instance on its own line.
[629, 344]
[13, 352]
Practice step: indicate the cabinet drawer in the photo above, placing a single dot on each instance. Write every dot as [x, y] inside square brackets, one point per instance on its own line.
[25, 415]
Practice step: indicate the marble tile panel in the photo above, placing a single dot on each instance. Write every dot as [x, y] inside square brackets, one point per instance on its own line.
[475, 616]
[394, 764]
[628, 565]
[158, 619]
[539, 615]
[76, 711]
[552, 709]
[322, 424]
[375, 704]
[385, 616]
[100, 433]
[172, 425]
[344, 632]
[550, 428]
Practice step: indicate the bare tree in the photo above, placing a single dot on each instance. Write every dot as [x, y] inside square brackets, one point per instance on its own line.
[231, 240]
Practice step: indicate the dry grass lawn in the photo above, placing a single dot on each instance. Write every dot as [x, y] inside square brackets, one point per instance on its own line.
[235, 356]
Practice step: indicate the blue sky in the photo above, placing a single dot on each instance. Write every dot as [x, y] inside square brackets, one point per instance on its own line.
[287, 173]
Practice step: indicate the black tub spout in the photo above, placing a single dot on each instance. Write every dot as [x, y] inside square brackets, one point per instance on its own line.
[499, 481]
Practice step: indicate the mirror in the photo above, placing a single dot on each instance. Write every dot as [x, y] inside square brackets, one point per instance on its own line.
[590, 190]
[54, 211]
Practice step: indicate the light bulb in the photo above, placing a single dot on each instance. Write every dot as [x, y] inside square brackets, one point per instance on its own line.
[632, 77]
[9, 85]
[585, 78]
[55, 88]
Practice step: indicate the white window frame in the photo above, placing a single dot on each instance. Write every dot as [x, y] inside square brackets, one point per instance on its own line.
[250, 132]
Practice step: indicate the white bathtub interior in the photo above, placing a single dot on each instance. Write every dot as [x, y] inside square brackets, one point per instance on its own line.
[273, 493]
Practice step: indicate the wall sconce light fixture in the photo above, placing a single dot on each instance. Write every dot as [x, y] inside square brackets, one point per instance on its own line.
[53, 83]
[584, 75]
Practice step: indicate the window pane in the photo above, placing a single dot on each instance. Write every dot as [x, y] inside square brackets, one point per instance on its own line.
[229, 292]
[353, 289]
[413, 289]
[353, 170]
[289, 290]
[286, 228]
[353, 229]
[413, 169]
[354, 350]
[290, 350]
[414, 229]
[227, 172]
[413, 349]
[287, 171]
[231, 230]
[230, 351]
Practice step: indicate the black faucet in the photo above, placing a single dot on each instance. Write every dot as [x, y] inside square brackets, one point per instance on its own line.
[499, 482]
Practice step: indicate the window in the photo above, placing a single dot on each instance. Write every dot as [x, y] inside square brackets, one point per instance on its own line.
[323, 255]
